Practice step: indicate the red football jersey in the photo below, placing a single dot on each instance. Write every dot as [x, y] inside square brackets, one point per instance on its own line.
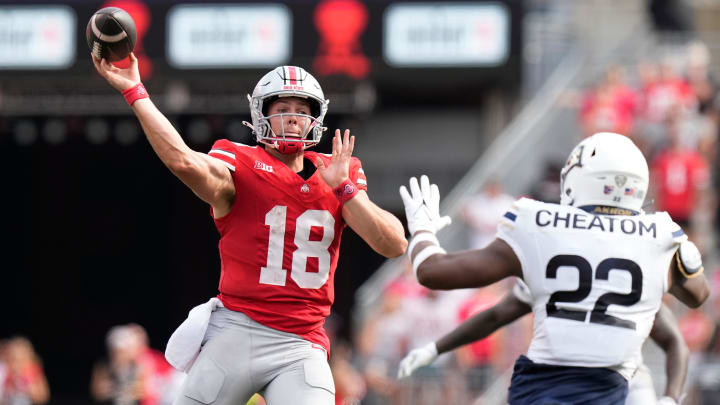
[279, 243]
[679, 175]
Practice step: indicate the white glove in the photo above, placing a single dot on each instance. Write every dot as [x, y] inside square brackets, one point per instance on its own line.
[667, 401]
[422, 206]
[417, 358]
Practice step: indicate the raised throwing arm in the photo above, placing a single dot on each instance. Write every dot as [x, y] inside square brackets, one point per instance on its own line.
[207, 177]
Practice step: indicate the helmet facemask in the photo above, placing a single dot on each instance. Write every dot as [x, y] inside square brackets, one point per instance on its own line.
[288, 144]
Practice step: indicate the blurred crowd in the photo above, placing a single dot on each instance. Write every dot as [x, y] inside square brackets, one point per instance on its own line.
[22, 380]
[670, 107]
[133, 373]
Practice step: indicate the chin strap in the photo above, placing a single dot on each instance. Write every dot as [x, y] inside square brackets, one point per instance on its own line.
[289, 148]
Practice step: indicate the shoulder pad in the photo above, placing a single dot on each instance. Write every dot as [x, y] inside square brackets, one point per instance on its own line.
[677, 235]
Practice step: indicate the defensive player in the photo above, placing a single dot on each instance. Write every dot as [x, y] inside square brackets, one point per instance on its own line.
[665, 333]
[280, 211]
[596, 265]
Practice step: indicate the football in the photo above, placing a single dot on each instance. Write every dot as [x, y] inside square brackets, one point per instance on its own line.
[111, 34]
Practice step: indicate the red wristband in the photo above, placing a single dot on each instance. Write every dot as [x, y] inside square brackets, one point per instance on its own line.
[135, 93]
[345, 191]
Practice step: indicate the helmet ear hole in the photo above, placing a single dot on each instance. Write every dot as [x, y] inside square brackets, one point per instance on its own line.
[593, 152]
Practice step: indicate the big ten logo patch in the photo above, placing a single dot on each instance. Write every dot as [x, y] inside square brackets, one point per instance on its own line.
[262, 166]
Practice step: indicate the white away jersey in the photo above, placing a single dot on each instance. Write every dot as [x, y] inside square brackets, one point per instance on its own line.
[595, 281]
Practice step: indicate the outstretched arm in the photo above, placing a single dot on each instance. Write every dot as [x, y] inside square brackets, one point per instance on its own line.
[478, 327]
[484, 323]
[467, 269]
[207, 177]
[666, 334]
[433, 266]
[379, 229]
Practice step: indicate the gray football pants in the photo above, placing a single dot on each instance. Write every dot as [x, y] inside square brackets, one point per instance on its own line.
[241, 357]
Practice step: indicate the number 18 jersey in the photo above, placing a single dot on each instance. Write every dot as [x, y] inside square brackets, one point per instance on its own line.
[596, 280]
[279, 243]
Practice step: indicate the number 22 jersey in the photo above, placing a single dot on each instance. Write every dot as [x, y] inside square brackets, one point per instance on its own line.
[279, 243]
[596, 280]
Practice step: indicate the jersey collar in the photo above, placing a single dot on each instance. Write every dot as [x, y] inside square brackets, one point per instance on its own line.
[607, 210]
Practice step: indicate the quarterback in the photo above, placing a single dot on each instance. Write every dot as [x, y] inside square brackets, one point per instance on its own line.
[596, 266]
[280, 211]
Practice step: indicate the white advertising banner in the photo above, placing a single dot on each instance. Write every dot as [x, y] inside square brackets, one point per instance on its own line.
[446, 34]
[33, 37]
[228, 35]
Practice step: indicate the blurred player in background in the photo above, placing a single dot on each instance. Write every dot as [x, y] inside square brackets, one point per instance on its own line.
[22, 379]
[280, 211]
[121, 378]
[596, 266]
[483, 211]
[516, 304]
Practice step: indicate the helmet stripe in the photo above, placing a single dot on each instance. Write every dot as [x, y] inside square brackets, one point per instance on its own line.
[293, 75]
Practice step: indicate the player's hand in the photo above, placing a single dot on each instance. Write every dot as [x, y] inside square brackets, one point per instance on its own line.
[417, 358]
[120, 79]
[422, 206]
[337, 170]
[667, 401]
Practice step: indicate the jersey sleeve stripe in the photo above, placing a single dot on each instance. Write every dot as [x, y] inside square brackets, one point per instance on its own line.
[242, 144]
[361, 181]
[509, 219]
[222, 152]
[678, 233]
[360, 170]
[224, 161]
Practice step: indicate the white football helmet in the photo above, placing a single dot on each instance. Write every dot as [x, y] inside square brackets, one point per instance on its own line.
[287, 81]
[605, 169]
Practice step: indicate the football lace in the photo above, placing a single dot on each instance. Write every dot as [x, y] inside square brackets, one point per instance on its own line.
[97, 49]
